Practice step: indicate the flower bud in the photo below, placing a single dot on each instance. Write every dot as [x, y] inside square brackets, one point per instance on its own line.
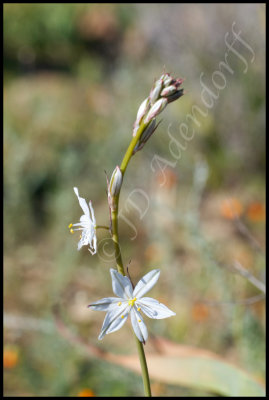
[167, 80]
[155, 91]
[146, 135]
[175, 96]
[168, 91]
[156, 109]
[178, 82]
[115, 182]
[148, 131]
[143, 109]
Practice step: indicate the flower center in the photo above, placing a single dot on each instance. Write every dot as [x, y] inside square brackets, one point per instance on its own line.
[132, 301]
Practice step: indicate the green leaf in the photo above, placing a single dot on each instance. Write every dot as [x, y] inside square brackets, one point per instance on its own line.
[195, 368]
[179, 365]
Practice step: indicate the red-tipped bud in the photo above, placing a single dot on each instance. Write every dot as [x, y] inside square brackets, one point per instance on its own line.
[143, 109]
[178, 82]
[167, 80]
[156, 109]
[168, 91]
[155, 91]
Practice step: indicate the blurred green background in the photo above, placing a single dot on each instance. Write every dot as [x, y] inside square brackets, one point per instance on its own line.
[74, 76]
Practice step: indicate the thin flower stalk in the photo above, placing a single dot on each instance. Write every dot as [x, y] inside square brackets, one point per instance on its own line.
[144, 117]
[130, 301]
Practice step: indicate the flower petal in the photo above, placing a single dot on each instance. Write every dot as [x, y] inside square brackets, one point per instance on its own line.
[92, 213]
[93, 246]
[139, 326]
[104, 304]
[82, 203]
[153, 308]
[114, 319]
[85, 221]
[86, 238]
[121, 285]
[146, 283]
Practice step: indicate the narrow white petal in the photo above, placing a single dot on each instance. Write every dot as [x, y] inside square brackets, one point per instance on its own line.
[104, 304]
[153, 308]
[92, 251]
[85, 220]
[82, 203]
[86, 238]
[80, 244]
[92, 213]
[121, 285]
[139, 326]
[114, 319]
[146, 283]
[94, 244]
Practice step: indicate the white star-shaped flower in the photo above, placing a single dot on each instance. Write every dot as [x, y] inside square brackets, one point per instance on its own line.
[87, 225]
[130, 301]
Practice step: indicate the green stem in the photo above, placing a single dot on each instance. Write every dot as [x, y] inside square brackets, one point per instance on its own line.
[144, 368]
[102, 227]
[115, 238]
[120, 267]
[131, 147]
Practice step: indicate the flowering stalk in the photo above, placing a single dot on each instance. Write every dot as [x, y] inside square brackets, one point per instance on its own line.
[130, 300]
[120, 267]
[164, 91]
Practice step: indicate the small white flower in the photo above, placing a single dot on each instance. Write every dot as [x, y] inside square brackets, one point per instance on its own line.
[87, 225]
[130, 301]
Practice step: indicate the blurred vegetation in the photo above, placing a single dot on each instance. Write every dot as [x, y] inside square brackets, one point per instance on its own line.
[74, 76]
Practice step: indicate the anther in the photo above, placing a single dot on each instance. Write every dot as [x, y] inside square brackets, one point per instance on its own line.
[122, 316]
[139, 320]
[71, 231]
[138, 309]
[70, 226]
[119, 303]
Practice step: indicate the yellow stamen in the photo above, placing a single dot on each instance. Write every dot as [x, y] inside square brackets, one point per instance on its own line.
[71, 231]
[139, 320]
[122, 316]
[119, 303]
[131, 302]
[138, 309]
[70, 226]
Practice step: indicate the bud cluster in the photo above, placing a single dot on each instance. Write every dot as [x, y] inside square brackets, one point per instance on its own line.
[165, 90]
